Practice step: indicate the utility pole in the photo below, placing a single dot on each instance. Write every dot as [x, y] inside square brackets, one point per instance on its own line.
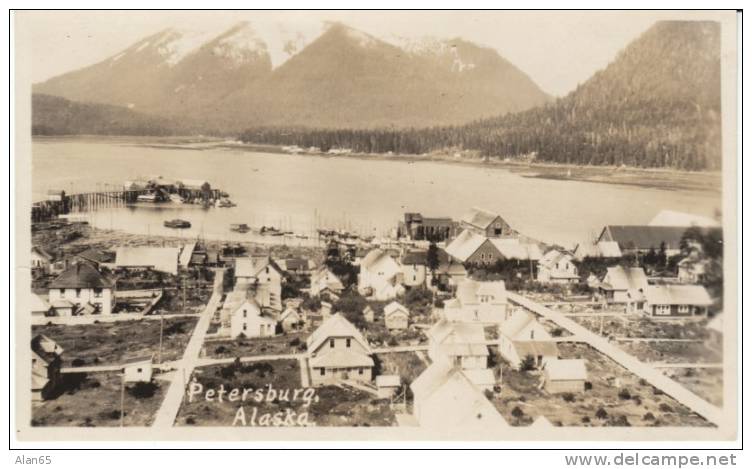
[161, 333]
[122, 398]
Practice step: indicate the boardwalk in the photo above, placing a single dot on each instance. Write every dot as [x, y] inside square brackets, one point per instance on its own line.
[167, 413]
[650, 374]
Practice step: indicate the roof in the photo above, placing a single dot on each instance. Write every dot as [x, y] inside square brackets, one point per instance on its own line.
[388, 381]
[511, 248]
[645, 236]
[97, 255]
[469, 291]
[535, 348]
[324, 278]
[394, 307]
[335, 326]
[609, 249]
[674, 218]
[464, 245]
[193, 183]
[187, 253]
[40, 251]
[39, 304]
[479, 217]
[695, 295]
[252, 266]
[47, 349]
[415, 257]
[459, 338]
[541, 422]
[163, 259]
[139, 359]
[620, 278]
[437, 221]
[289, 312]
[376, 257]
[296, 264]
[716, 324]
[248, 303]
[336, 358]
[566, 369]
[516, 322]
[552, 257]
[81, 275]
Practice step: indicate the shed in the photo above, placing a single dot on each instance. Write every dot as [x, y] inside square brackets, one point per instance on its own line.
[138, 369]
[565, 375]
[387, 385]
[396, 316]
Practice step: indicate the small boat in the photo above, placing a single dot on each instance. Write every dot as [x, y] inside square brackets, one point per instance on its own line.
[177, 223]
[240, 228]
[225, 203]
[150, 198]
[176, 199]
[270, 231]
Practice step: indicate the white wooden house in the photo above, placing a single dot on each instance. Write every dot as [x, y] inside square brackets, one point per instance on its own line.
[138, 369]
[396, 316]
[557, 267]
[482, 302]
[522, 335]
[78, 285]
[338, 352]
[380, 276]
[248, 320]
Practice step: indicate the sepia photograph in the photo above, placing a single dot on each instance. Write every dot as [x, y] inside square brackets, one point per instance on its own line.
[375, 225]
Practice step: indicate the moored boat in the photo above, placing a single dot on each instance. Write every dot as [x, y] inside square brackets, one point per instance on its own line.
[177, 223]
[240, 228]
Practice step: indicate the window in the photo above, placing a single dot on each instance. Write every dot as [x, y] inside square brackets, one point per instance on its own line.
[347, 343]
[360, 371]
[245, 313]
[97, 293]
[683, 309]
[139, 370]
[62, 291]
[245, 326]
[78, 293]
[323, 372]
[532, 334]
[331, 343]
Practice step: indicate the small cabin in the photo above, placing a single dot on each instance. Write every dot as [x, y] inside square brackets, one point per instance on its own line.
[565, 375]
[138, 369]
[387, 385]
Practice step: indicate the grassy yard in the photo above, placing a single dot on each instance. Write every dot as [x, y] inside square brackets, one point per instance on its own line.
[278, 345]
[93, 400]
[111, 343]
[644, 327]
[672, 352]
[407, 365]
[613, 397]
[705, 382]
[328, 406]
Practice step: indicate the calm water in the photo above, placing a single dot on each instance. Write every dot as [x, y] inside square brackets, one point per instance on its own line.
[299, 193]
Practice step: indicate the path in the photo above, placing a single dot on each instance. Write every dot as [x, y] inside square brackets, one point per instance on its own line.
[201, 362]
[168, 411]
[664, 365]
[655, 339]
[643, 370]
[401, 348]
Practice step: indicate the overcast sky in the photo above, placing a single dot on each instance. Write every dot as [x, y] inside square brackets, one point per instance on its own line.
[557, 50]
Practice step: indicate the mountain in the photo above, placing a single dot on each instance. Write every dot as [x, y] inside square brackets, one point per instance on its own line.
[52, 115]
[656, 105]
[344, 77]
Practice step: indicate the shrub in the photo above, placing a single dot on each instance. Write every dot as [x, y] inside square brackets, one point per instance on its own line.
[665, 407]
[517, 413]
[295, 342]
[637, 400]
[78, 362]
[601, 413]
[648, 416]
[568, 397]
[620, 421]
[190, 421]
[143, 390]
[588, 385]
[624, 394]
[220, 350]
[528, 363]
[557, 332]
[585, 419]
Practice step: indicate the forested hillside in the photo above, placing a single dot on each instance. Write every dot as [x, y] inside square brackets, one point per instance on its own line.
[52, 115]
